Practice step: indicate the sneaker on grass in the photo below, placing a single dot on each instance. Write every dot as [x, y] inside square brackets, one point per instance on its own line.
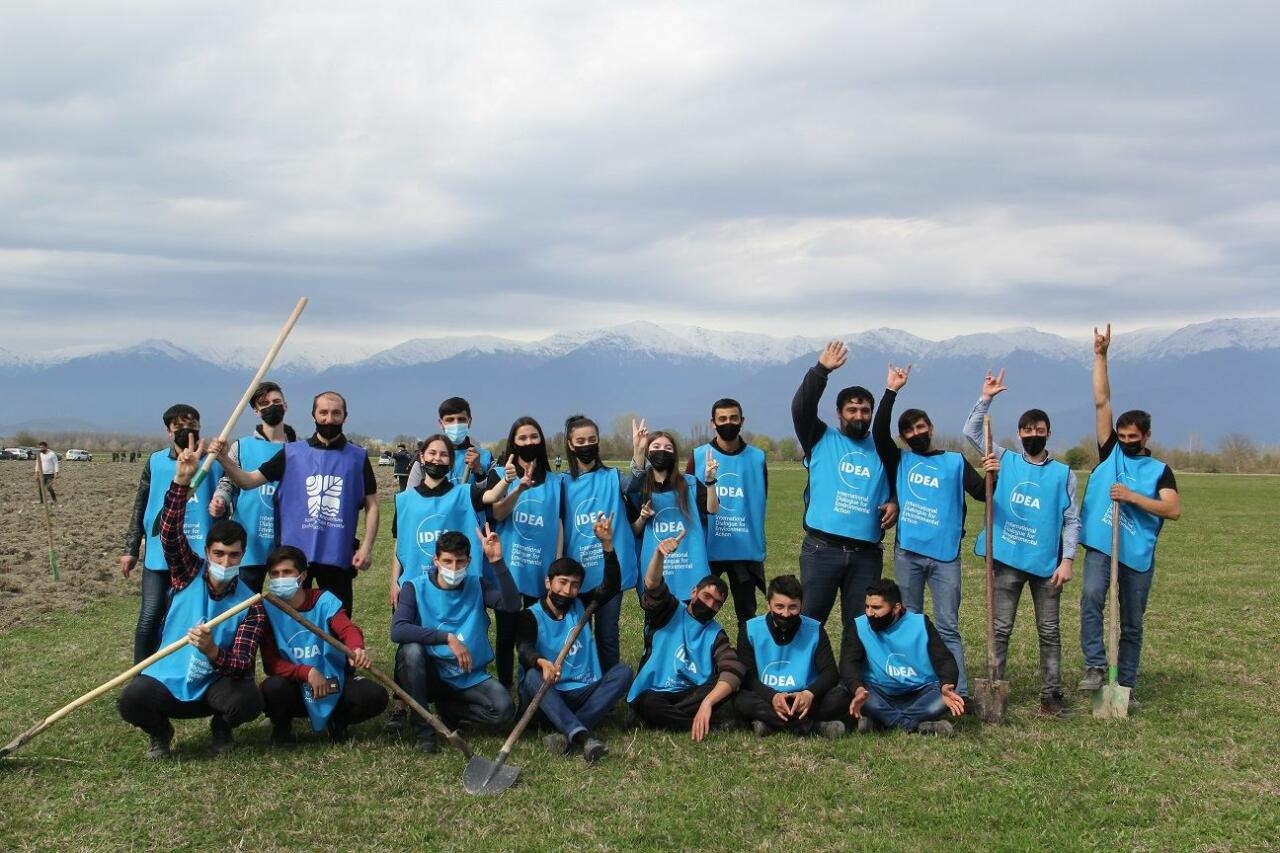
[1094, 678]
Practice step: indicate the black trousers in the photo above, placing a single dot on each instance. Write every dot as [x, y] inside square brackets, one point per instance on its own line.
[334, 579]
[675, 711]
[148, 704]
[744, 577]
[832, 705]
[505, 648]
[361, 699]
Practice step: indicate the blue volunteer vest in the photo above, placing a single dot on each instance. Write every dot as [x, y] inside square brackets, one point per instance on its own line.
[319, 500]
[460, 465]
[789, 668]
[897, 659]
[931, 504]
[195, 522]
[459, 612]
[679, 656]
[736, 531]
[847, 485]
[420, 521]
[1028, 503]
[687, 564]
[531, 533]
[255, 508]
[1138, 528]
[299, 645]
[581, 667]
[586, 497]
[187, 673]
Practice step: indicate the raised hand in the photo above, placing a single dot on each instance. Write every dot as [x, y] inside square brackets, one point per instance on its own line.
[1101, 342]
[833, 355]
[188, 462]
[509, 470]
[646, 511]
[711, 467]
[897, 377]
[490, 542]
[993, 385]
[639, 434]
[668, 546]
[603, 529]
[472, 460]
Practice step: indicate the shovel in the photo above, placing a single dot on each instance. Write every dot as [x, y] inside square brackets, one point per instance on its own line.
[991, 696]
[452, 737]
[22, 739]
[48, 522]
[494, 777]
[1111, 700]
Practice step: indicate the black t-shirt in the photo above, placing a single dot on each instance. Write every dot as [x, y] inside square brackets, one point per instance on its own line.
[273, 468]
[1166, 480]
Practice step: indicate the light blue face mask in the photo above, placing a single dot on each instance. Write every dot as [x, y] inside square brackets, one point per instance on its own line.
[222, 574]
[284, 588]
[452, 578]
[456, 432]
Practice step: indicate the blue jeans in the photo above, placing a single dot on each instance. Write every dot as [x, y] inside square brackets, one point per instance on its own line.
[906, 711]
[574, 711]
[604, 627]
[155, 604]
[1134, 587]
[826, 569]
[487, 702]
[912, 571]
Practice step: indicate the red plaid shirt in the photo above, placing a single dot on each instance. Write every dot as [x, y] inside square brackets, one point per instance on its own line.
[184, 567]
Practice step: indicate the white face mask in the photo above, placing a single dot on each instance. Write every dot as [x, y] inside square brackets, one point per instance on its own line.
[456, 432]
[451, 578]
[221, 573]
[284, 588]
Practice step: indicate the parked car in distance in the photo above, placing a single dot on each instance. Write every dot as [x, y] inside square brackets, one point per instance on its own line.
[13, 453]
[74, 455]
[385, 458]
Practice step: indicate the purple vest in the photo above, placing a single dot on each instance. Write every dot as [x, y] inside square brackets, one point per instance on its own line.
[319, 500]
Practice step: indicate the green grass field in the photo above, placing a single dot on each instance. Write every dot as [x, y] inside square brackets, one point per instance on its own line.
[1197, 768]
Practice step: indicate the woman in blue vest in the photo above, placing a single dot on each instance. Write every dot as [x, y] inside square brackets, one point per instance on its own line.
[529, 529]
[593, 489]
[669, 503]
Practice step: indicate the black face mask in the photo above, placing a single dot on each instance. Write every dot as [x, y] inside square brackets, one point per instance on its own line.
[1130, 448]
[662, 460]
[435, 470]
[587, 453]
[328, 431]
[785, 626]
[882, 623]
[701, 612]
[561, 602]
[183, 435]
[728, 432]
[272, 415]
[856, 430]
[528, 452]
[919, 443]
[1034, 444]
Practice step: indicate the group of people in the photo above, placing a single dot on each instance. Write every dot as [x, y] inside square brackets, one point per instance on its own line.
[545, 551]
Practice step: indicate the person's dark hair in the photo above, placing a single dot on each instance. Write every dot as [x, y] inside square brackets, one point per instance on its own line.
[1136, 418]
[725, 403]
[566, 567]
[453, 542]
[179, 412]
[788, 585]
[541, 465]
[1031, 417]
[886, 589]
[43, 444]
[908, 419]
[856, 393]
[570, 424]
[226, 531]
[713, 581]
[317, 397]
[263, 389]
[453, 451]
[455, 406]
[287, 553]
[649, 484]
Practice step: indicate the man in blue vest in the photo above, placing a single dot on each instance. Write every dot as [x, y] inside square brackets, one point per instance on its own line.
[256, 509]
[1036, 528]
[848, 502]
[792, 683]
[182, 422]
[689, 667]
[213, 675]
[735, 534]
[931, 485]
[897, 668]
[583, 694]
[442, 629]
[306, 676]
[322, 484]
[1148, 496]
[471, 463]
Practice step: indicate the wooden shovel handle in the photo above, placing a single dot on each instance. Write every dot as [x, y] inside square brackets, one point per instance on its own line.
[990, 555]
[1113, 596]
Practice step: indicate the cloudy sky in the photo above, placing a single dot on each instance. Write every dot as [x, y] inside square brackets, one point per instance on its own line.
[187, 170]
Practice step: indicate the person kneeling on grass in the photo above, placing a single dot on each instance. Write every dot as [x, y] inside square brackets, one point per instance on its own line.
[689, 667]
[792, 680]
[443, 632]
[307, 677]
[583, 695]
[900, 672]
[213, 675]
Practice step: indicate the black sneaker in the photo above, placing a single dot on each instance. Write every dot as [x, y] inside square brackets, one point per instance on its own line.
[338, 732]
[1054, 706]
[1134, 704]
[866, 725]
[427, 742]
[831, 729]
[760, 729]
[282, 736]
[159, 746]
[222, 740]
[1094, 678]
[937, 728]
[394, 723]
[556, 743]
[594, 750]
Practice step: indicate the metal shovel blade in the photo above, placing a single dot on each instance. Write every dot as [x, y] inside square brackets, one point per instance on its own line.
[483, 776]
[1111, 701]
[991, 698]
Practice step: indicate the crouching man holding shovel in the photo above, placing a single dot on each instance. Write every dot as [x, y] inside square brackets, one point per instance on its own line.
[213, 675]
